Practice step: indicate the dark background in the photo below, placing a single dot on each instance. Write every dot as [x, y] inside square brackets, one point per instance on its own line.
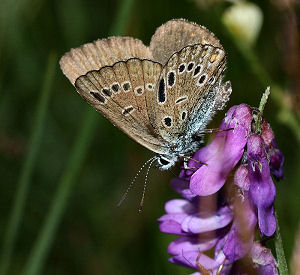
[94, 236]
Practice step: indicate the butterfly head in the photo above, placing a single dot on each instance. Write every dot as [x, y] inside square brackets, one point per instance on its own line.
[164, 162]
[183, 146]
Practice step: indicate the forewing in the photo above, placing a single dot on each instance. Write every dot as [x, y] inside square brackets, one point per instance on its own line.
[176, 34]
[188, 87]
[115, 76]
[112, 91]
[101, 53]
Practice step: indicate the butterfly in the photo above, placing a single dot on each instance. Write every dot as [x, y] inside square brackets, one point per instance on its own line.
[162, 96]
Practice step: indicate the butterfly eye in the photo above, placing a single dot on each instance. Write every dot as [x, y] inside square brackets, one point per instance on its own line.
[163, 161]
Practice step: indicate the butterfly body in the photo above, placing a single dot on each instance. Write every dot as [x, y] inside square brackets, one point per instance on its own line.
[162, 96]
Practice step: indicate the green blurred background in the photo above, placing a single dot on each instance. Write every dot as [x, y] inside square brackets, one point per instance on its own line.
[56, 150]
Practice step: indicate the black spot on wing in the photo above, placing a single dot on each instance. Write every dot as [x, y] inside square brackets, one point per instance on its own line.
[168, 121]
[99, 97]
[107, 92]
[162, 91]
[171, 79]
[115, 87]
[181, 68]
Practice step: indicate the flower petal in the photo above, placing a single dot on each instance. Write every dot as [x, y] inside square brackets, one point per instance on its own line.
[263, 259]
[171, 223]
[195, 224]
[262, 189]
[223, 153]
[180, 206]
[188, 243]
[189, 259]
[275, 156]
[266, 220]
[182, 186]
[241, 178]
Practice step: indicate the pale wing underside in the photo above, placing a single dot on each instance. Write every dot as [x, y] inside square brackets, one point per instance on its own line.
[185, 83]
[101, 53]
[154, 104]
[119, 95]
[176, 34]
[115, 76]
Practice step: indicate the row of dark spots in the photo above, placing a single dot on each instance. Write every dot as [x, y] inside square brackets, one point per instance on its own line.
[189, 68]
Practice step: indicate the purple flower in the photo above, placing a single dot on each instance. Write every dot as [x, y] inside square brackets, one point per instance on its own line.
[263, 259]
[262, 189]
[224, 220]
[223, 153]
[276, 158]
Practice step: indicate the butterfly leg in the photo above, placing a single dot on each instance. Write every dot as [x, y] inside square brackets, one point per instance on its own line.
[201, 268]
[185, 163]
[210, 131]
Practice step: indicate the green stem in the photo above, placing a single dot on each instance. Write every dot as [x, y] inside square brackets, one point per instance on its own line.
[45, 238]
[262, 104]
[28, 166]
[286, 115]
[281, 260]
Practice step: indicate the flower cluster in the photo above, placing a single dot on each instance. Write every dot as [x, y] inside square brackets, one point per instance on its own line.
[217, 221]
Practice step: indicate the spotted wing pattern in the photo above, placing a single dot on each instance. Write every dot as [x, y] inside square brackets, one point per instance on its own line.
[120, 91]
[189, 86]
[154, 94]
[176, 34]
[101, 53]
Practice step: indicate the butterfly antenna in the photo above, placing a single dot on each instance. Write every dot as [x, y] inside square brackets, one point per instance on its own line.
[134, 179]
[145, 185]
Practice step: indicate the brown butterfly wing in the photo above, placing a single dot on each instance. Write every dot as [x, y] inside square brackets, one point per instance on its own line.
[189, 90]
[101, 53]
[176, 34]
[119, 91]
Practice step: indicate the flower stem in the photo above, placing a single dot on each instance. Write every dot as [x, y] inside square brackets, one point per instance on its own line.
[23, 184]
[281, 260]
[38, 254]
